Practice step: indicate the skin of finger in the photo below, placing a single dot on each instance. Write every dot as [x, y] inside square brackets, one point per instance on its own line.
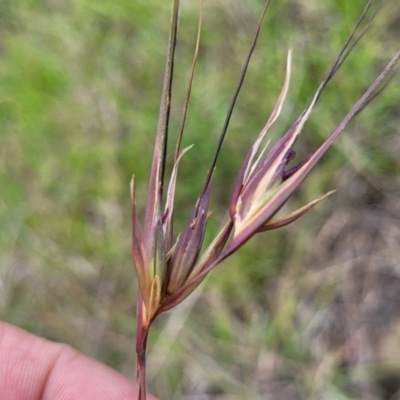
[32, 368]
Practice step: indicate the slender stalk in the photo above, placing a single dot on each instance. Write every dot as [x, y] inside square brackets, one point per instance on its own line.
[189, 90]
[141, 375]
[234, 99]
[142, 331]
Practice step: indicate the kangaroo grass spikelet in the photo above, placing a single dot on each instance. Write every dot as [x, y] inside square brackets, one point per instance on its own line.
[169, 268]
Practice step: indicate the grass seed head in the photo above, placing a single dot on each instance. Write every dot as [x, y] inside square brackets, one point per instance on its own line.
[170, 268]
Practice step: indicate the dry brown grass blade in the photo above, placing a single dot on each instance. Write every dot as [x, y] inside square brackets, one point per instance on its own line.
[152, 226]
[169, 204]
[293, 216]
[349, 45]
[189, 90]
[248, 168]
[234, 99]
[138, 250]
[155, 191]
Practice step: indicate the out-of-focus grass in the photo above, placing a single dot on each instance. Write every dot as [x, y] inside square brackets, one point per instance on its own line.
[311, 311]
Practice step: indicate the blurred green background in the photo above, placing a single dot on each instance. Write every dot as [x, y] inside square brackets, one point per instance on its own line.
[311, 311]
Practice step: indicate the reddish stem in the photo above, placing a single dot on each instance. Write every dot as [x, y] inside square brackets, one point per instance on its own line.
[141, 344]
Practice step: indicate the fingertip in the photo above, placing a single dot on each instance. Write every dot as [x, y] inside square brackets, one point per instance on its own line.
[76, 376]
[32, 368]
[25, 363]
